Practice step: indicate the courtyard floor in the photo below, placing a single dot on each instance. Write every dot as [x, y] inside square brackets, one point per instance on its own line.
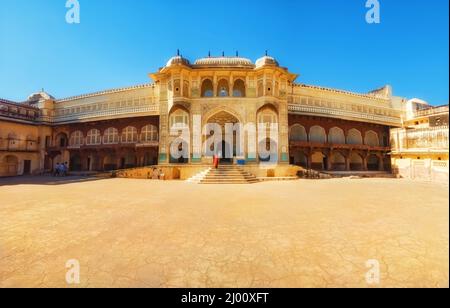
[140, 233]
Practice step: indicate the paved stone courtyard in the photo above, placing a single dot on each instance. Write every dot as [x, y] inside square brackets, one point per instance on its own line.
[139, 233]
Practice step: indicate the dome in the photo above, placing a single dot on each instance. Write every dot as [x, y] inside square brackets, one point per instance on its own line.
[266, 60]
[178, 60]
[39, 96]
[224, 62]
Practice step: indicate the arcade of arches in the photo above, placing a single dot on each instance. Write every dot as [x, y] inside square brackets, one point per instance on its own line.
[338, 145]
[106, 145]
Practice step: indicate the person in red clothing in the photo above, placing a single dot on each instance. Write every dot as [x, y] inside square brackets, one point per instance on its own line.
[216, 161]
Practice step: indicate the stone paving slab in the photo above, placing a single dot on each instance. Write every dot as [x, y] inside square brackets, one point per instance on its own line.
[306, 233]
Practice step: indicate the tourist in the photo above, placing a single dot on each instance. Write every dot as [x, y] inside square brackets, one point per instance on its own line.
[216, 161]
[65, 169]
[56, 170]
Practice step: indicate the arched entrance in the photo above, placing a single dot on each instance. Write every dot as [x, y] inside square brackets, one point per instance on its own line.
[338, 162]
[318, 161]
[356, 162]
[373, 163]
[227, 146]
[75, 162]
[128, 160]
[109, 163]
[299, 158]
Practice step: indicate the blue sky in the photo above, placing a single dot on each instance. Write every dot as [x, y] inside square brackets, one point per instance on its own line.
[327, 42]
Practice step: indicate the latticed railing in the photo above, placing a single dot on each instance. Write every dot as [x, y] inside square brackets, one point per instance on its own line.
[432, 138]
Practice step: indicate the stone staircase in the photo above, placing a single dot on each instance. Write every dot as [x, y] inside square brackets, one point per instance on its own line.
[225, 174]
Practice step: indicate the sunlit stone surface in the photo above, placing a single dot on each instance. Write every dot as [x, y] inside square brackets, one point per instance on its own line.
[138, 233]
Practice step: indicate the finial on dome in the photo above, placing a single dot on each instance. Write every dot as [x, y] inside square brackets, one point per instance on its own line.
[209, 54]
[267, 53]
[178, 52]
[223, 53]
[237, 53]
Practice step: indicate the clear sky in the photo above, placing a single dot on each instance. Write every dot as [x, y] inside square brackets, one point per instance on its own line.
[327, 42]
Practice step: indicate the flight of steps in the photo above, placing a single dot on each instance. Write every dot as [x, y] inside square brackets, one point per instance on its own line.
[225, 174]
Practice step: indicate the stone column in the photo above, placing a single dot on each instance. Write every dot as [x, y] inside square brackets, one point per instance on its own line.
[196, 133]
[329, 164]
[283, 133]
[163, 125]
[347, 162]
[309, 163]
[381, 162]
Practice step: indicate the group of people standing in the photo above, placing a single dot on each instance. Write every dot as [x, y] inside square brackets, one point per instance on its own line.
[62, 169]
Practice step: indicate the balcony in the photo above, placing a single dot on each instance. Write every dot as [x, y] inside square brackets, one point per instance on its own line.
[9, 145]
[138, 145]
[18, 111]
[432, 111]
[362, 147]
[431, 139]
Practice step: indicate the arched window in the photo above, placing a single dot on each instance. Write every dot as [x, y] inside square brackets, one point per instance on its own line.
[111, 136]
[61, 140]
[239, 88]
[129, 135]
[179, 118]
[76, 138]
[149, 133]
[371, 139]
[267, 116]
[336, 136]
[207, 88]
[93, 137]
[354, 137]
[223, 89]
[317, 134]
[298, 133]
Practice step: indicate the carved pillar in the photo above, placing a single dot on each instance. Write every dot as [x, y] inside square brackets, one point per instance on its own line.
[164, 132]
[329, 165]
[215, 85]
[283, 133]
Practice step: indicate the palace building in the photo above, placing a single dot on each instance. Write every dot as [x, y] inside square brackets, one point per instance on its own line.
[317, 128]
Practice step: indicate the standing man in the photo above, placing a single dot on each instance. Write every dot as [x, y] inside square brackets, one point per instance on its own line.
[216, 161]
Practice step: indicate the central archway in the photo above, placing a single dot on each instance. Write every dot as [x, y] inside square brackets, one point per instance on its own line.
[228, 146]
